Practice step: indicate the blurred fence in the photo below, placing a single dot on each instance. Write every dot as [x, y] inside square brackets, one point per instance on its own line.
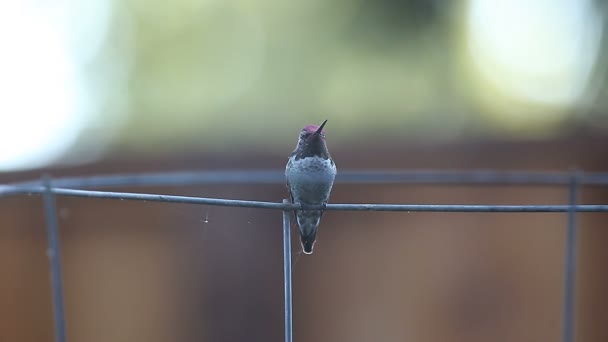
[77, 186]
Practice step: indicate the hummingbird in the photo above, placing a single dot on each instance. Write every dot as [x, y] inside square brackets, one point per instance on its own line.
[310, 174]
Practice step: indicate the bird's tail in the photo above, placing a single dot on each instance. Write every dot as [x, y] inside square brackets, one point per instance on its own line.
[308, 242]
[308, 220]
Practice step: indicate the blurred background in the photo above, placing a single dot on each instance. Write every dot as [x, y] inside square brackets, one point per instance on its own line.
[107, 86]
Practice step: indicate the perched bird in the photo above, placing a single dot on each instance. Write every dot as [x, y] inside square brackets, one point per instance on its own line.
[310, 174]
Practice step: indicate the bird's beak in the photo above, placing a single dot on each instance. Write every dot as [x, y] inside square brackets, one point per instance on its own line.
[320, 128]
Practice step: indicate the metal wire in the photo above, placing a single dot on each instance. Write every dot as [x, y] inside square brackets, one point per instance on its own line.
[570, 264]
[287, 273]
[75, 186]
[54, 253]
[468, 208]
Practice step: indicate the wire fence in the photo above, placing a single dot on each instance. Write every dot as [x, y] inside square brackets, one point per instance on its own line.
[78, 186]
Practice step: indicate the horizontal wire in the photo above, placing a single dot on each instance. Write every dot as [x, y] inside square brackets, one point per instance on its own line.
[429, 177]
[337, 207]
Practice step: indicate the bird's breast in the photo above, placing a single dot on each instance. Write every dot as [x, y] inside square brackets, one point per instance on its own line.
[311, 166]
[310, 179]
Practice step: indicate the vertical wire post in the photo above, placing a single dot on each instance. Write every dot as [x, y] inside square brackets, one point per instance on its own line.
[287, 273]
[570, 263]
[54, 255]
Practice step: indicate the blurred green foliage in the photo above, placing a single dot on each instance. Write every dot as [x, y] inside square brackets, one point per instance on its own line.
[223, 72]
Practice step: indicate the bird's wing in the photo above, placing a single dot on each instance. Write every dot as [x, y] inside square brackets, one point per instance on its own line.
[292, 200]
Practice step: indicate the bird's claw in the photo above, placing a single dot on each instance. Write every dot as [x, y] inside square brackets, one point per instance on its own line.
[324, 207]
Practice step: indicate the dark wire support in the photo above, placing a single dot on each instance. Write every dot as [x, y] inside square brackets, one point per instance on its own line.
[429, 177]
[58, 188]
[54, 254]
[453, 208]
[287, 273]
[570, 267]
